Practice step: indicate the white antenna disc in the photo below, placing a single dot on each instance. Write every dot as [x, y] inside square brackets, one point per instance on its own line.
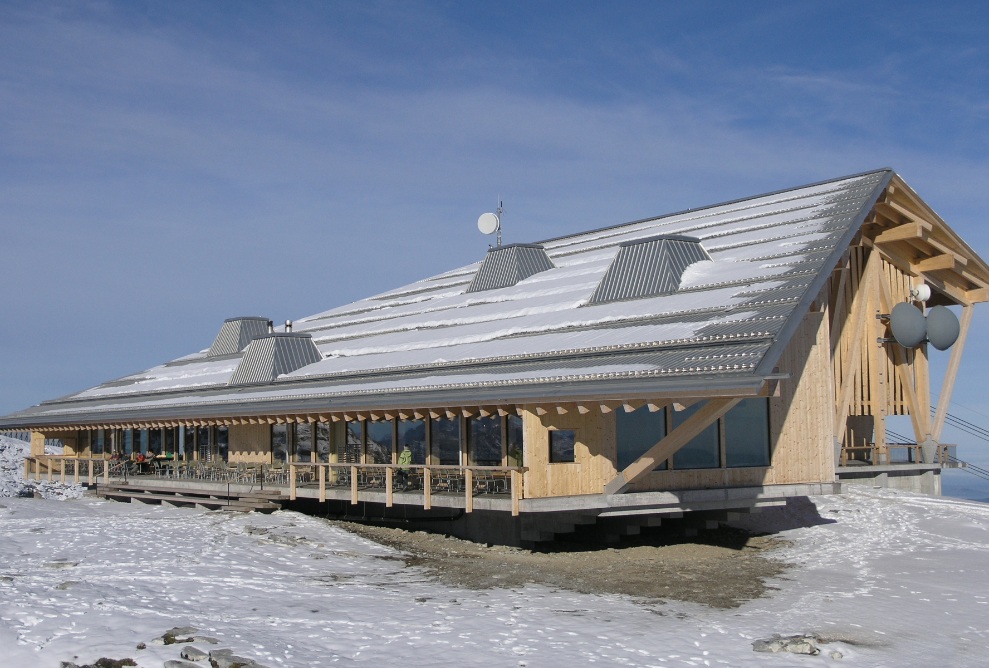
[488, 223]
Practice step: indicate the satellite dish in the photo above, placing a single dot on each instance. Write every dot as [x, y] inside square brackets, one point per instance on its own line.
[908, 325]
[921, 293]
[488, 223]
[942, 327]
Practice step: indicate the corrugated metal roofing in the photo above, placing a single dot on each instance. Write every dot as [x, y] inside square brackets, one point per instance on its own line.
[505, 266]
[648, 268]
[236, 333]
[271, 356]
[728, 320]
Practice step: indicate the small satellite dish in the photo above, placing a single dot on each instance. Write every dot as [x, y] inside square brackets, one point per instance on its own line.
[908, 325]
[942, 327]
[920, 293]
[488, 223]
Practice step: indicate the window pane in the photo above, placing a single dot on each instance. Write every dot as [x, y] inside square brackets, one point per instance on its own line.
[379, 442]
[303, 442]
[154, 441]
[561, 443]
[128, 441]
[169, 447]
[701, 453]
[349, 452]
[97, 444]
[747, 433]
[485, 441]
[222, 443]
[323, 442]
[445, 435]
[637, 432]
[413, 434]
[516, 445]
[279, 443]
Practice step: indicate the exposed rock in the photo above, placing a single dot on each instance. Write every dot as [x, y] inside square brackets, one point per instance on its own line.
[835, 654]
[175, 663]
[225, 658]
[799, 644]
[65, 585]
[209, 640]
[192, 653]
[141, 645]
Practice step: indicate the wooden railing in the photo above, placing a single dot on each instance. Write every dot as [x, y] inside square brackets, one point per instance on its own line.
[876, 455]
[470, 481]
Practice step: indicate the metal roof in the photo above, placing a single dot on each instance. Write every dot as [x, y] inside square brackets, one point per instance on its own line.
[236, 333]
[474, 334]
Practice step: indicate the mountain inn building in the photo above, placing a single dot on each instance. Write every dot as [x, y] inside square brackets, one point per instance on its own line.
[716, 360]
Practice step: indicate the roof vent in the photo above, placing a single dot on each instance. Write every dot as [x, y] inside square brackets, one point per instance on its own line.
[236, 333]
[505, 266]
[648, 268]
[272, 355]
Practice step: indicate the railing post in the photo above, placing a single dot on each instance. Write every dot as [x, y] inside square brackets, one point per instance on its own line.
[322, 482]
[389, 487]
[37, 468]
[75, 474]
[291, 482]
[427, 489]
[61, 470]
[27, 468]
[468, 490]
[50, 472]
[516, 485]
[353, 485]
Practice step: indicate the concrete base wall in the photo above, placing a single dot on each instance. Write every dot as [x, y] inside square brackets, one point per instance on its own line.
[921, 482]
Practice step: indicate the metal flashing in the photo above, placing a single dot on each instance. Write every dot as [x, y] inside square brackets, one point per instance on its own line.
[272, 355]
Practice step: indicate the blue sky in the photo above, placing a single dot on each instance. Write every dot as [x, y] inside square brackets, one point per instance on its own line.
[166, 165]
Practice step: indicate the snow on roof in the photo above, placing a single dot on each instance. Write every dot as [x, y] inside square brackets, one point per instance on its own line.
[769, 257]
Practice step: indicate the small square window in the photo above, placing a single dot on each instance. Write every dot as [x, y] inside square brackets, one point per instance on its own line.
[561, 445]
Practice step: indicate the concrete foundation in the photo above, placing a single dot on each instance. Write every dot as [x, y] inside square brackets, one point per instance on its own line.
[919, 478]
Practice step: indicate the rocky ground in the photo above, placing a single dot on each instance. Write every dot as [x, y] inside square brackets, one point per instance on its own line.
[720, 568]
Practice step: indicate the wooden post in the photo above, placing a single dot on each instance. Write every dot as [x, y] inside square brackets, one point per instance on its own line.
[75, 473]
[389, 489]
[27, 468]
[61, 470]
[291, 482]
[106, 472]
[469, 490]
[852, 362]
[322, 482]
[50, 467]
[948, 385]
[427, 484]
[89, 477]
[353, 485]
[516, 479]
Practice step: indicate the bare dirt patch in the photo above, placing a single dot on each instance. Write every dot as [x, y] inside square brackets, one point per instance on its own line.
[721, 568]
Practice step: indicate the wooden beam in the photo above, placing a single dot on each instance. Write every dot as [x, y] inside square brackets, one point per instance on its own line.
[948, 386]
[860, 306]
[838, 315]
[561, 410]
[943, 262]
[582, 409]
[711, 411]
[918, 419]
[905, 232]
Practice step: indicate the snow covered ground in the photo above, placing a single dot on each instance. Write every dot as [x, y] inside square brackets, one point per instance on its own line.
[893, 579]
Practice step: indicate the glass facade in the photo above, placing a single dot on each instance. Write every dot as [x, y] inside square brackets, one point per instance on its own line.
[747, 433]
[303, 442]
[322, 442]
[380, 442]
[638, 431]
[704, 451]
[516, 453]
[279, 443]
[484, 441]
[445, 440]
[413, 434]
[350, 449]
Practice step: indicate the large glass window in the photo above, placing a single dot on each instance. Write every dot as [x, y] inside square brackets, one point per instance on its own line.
[323, 442]
[98, 443]
[484, 441]
[142, 438]
[349, 451]
[202, 444]
[637, 432]
[279, 443]
[561, 446]
[223, 443]
[303, 443]
[380, 442]
[704, 451]
[445, 439]
[412, 433]
[747, 433]
[169, 443]
[516, 456]
[154, 441]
